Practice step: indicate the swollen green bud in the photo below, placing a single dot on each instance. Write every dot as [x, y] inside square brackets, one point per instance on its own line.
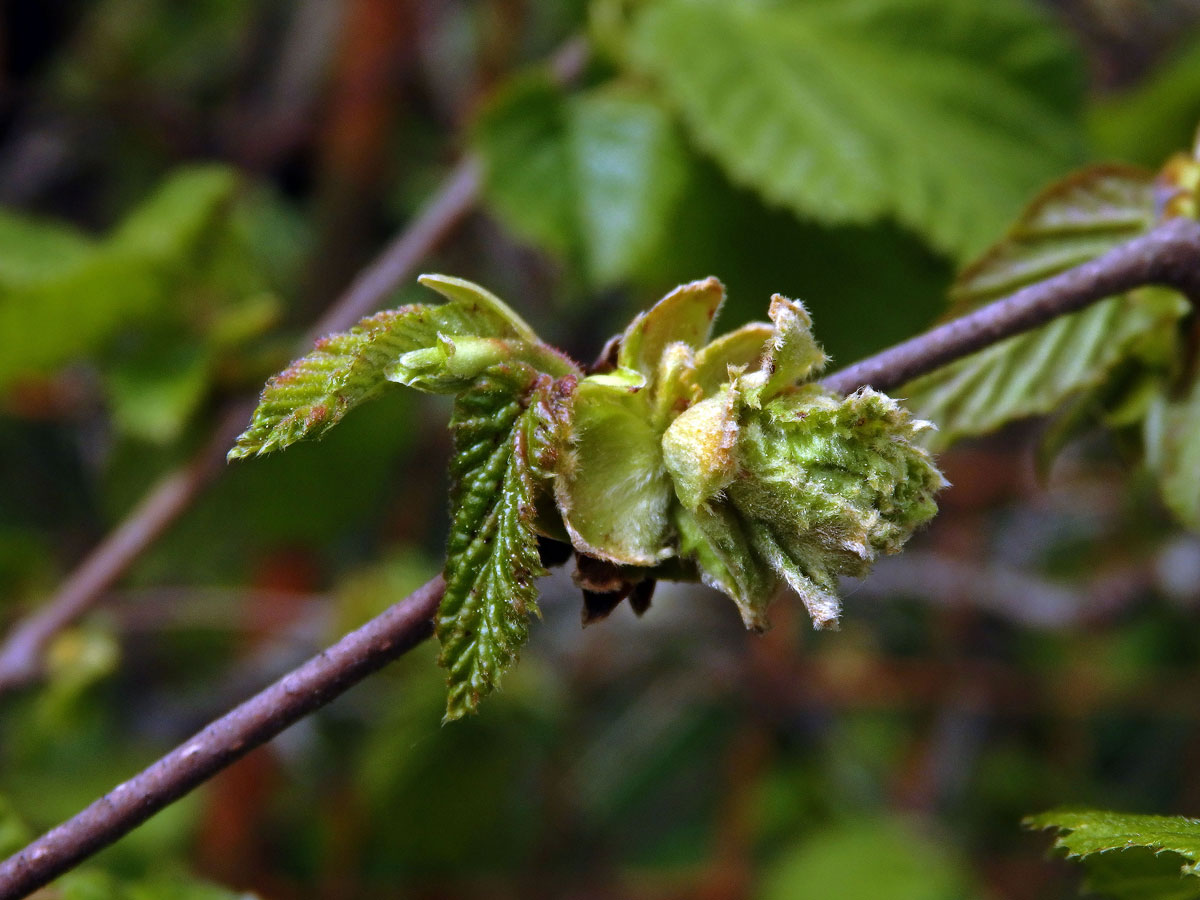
[829, 484]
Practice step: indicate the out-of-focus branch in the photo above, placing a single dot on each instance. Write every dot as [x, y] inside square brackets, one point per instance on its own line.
[229, 738]
[1169, 256]
[21, 653]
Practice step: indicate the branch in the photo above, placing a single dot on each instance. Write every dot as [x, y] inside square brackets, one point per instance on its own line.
[21, 653]
[1169, 255]
[318, 681]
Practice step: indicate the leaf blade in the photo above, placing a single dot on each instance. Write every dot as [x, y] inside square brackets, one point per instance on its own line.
[928, 111]
[592, 178]
[491, 557]
[1083, 832]
[1071, 222]
[413, 345]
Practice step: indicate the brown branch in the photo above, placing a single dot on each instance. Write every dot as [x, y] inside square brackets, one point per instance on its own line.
[1169, 255]
[22, 650]
[311, 686]
[21, 653]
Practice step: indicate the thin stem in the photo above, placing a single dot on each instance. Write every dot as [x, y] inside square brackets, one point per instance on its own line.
[295, 695]
[1170, 255]
[21, 652]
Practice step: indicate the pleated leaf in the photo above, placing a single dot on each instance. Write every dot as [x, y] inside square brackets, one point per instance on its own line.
[492, 556]
[941, 114]
[440, 349]
[1083, 832]
[1074, 221]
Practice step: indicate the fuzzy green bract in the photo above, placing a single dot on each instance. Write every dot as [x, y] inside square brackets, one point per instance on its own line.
[681, 457]
[785, 483]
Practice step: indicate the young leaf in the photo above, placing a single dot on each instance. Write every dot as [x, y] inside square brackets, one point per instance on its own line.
[940, 113]
[593, 177]
[492, 556]
[434, 348]
[685, 315]
[792, 355]
[315, 392]
[1083, 832]
[714, 537]
[612, 490]
[738, 349]
[830, 484]
[1072, 222]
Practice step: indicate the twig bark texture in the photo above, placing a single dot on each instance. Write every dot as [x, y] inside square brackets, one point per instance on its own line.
[1170, 256]
[229, 738]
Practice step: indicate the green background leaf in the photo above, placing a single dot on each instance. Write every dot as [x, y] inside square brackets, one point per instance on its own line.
[593, 177]
[942, 114]
[1172, 435]
[1071, 222]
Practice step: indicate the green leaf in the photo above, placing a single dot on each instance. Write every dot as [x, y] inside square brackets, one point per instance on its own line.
[177, 215]
[1138, 874]
[492, 556]
[685, 315]
[32, 250]
[434, 348]
[593, 177]
[1083, 832]
[612, 489]
[95, 884]
[1172, 438]
[14, 833]
[1072, 222]
[942, 114]
[1033, 373]
[62, 295]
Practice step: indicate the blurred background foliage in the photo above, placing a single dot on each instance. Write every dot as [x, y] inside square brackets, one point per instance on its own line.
[183, 189]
